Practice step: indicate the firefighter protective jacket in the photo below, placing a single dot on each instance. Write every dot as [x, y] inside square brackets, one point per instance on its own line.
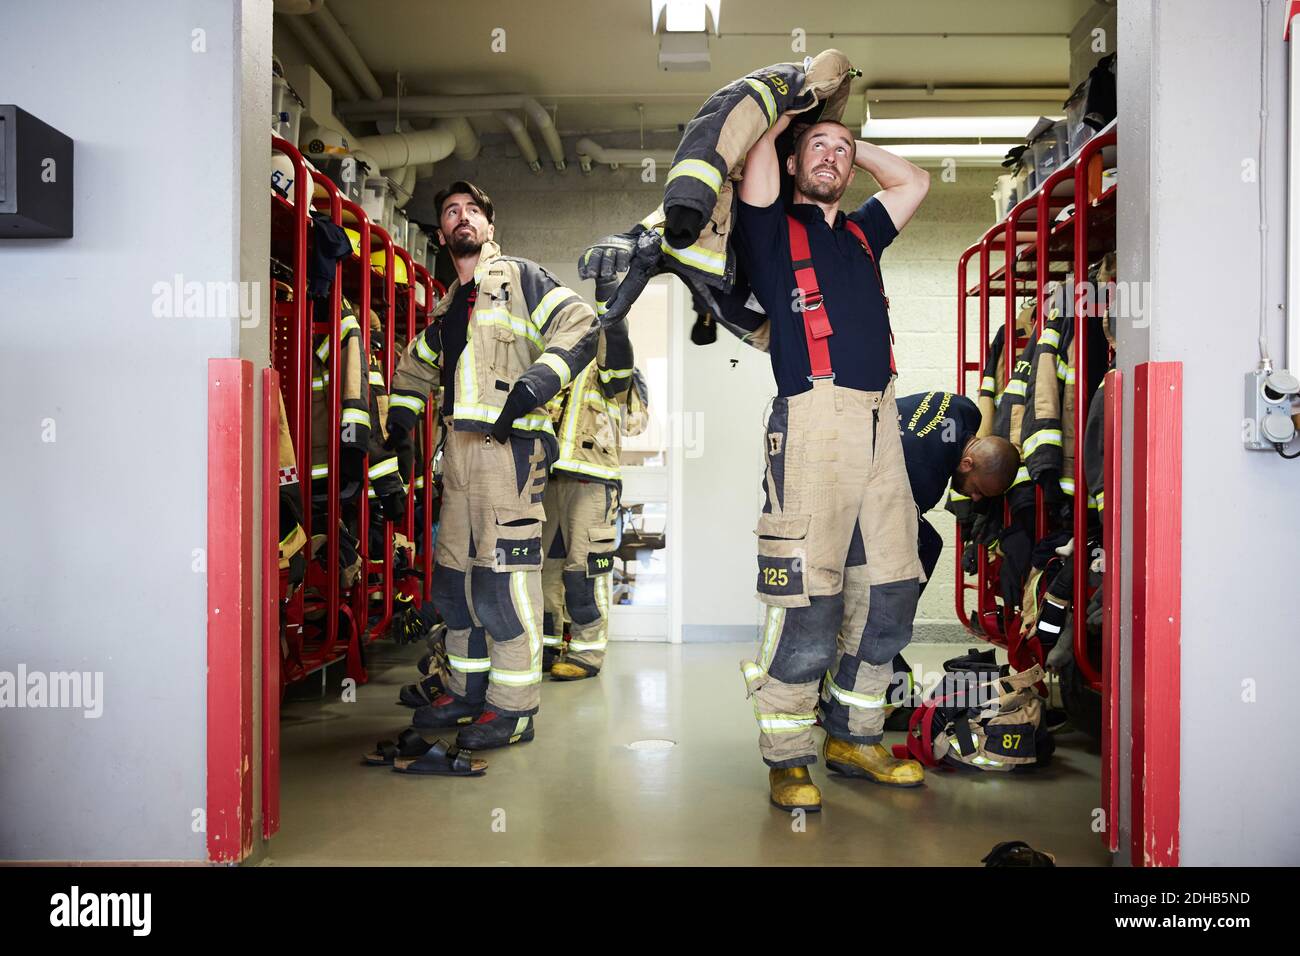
[524, 326]
[292, 537]
[384, 472]
[355, 420]
[712, 151]
[358, 423]
[591, 419]
[1047, 426]
[636, 410]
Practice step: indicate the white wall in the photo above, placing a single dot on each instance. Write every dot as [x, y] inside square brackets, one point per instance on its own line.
[104, 520]
[1189, 224]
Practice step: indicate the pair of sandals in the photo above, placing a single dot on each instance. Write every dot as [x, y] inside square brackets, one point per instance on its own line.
[412, 754]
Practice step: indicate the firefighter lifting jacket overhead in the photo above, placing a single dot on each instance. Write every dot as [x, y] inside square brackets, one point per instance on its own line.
[502, 342]
[582, 504]
[696, 216]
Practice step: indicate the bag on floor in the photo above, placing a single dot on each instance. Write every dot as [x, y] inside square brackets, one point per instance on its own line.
[983, 722]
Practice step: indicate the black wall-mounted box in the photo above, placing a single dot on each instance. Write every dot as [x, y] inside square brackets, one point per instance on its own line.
[35, 178]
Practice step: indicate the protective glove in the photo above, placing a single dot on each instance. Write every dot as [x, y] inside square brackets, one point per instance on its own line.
[397, 438]
[520, 401]
[352, 466]
[406, 461]
[393, 507]
[605, 260]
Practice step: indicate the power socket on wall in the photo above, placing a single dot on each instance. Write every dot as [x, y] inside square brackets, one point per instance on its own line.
[1267, 421]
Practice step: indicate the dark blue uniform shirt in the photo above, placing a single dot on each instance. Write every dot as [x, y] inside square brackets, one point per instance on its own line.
[935, 428]
[859, 343]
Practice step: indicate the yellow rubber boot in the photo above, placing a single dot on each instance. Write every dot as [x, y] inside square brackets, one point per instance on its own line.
[872, 762]
[567, 670]
[793, 789]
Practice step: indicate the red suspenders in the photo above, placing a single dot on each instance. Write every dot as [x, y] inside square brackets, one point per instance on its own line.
[816, 323]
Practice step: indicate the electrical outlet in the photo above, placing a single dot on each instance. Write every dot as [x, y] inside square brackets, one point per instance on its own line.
[1268, 409]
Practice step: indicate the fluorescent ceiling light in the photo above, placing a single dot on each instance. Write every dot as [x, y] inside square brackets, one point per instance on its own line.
[962, 127]
[684, 16]
[967, 151]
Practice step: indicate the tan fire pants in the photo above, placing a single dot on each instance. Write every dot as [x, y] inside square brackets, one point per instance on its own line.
[487, 581]
[834, 466]
[577, 577]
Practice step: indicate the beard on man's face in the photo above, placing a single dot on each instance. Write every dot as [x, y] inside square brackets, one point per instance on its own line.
[465, 241]
[823, 190]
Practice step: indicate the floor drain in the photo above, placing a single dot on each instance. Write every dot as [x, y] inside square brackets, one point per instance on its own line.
[652, 744]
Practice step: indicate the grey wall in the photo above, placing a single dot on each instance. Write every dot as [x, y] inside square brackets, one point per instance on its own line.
[1189, 86]
[107, 517]
[552, 217]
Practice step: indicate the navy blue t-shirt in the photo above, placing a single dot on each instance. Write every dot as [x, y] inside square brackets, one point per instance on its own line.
[935, 428]
[859, 343]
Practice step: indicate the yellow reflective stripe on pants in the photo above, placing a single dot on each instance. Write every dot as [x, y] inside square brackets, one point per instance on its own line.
[784, 723]
[524, 608]
[551, 640]
[853, 699]
[585, 468]
[772, 628]
[320, 471]
[356, 416]
[469, 665]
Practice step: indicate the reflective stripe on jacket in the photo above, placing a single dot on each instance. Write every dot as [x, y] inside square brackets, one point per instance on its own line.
[524, 326]
[712, 152]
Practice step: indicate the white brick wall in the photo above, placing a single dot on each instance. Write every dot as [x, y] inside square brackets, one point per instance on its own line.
[553, 217]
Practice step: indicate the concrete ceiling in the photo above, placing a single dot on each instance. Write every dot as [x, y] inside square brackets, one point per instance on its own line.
[592, 61]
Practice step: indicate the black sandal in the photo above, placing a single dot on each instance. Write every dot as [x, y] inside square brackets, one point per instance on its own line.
[443, 760]
[409, 744]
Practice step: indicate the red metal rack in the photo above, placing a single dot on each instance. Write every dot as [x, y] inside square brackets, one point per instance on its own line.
[1035, 247]
[310, 647]
[423, 485]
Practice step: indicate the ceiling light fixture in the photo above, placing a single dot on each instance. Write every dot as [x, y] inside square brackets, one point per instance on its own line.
[959, 127]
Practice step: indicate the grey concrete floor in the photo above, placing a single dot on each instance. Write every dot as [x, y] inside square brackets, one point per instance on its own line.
[577, 795]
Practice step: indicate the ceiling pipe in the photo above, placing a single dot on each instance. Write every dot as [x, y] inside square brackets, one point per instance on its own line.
[589, 150]
[467, 144]
[405, 181]
[347, 52]
[525, 142]
[396, 150]
[460, 106]
[320, 56]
